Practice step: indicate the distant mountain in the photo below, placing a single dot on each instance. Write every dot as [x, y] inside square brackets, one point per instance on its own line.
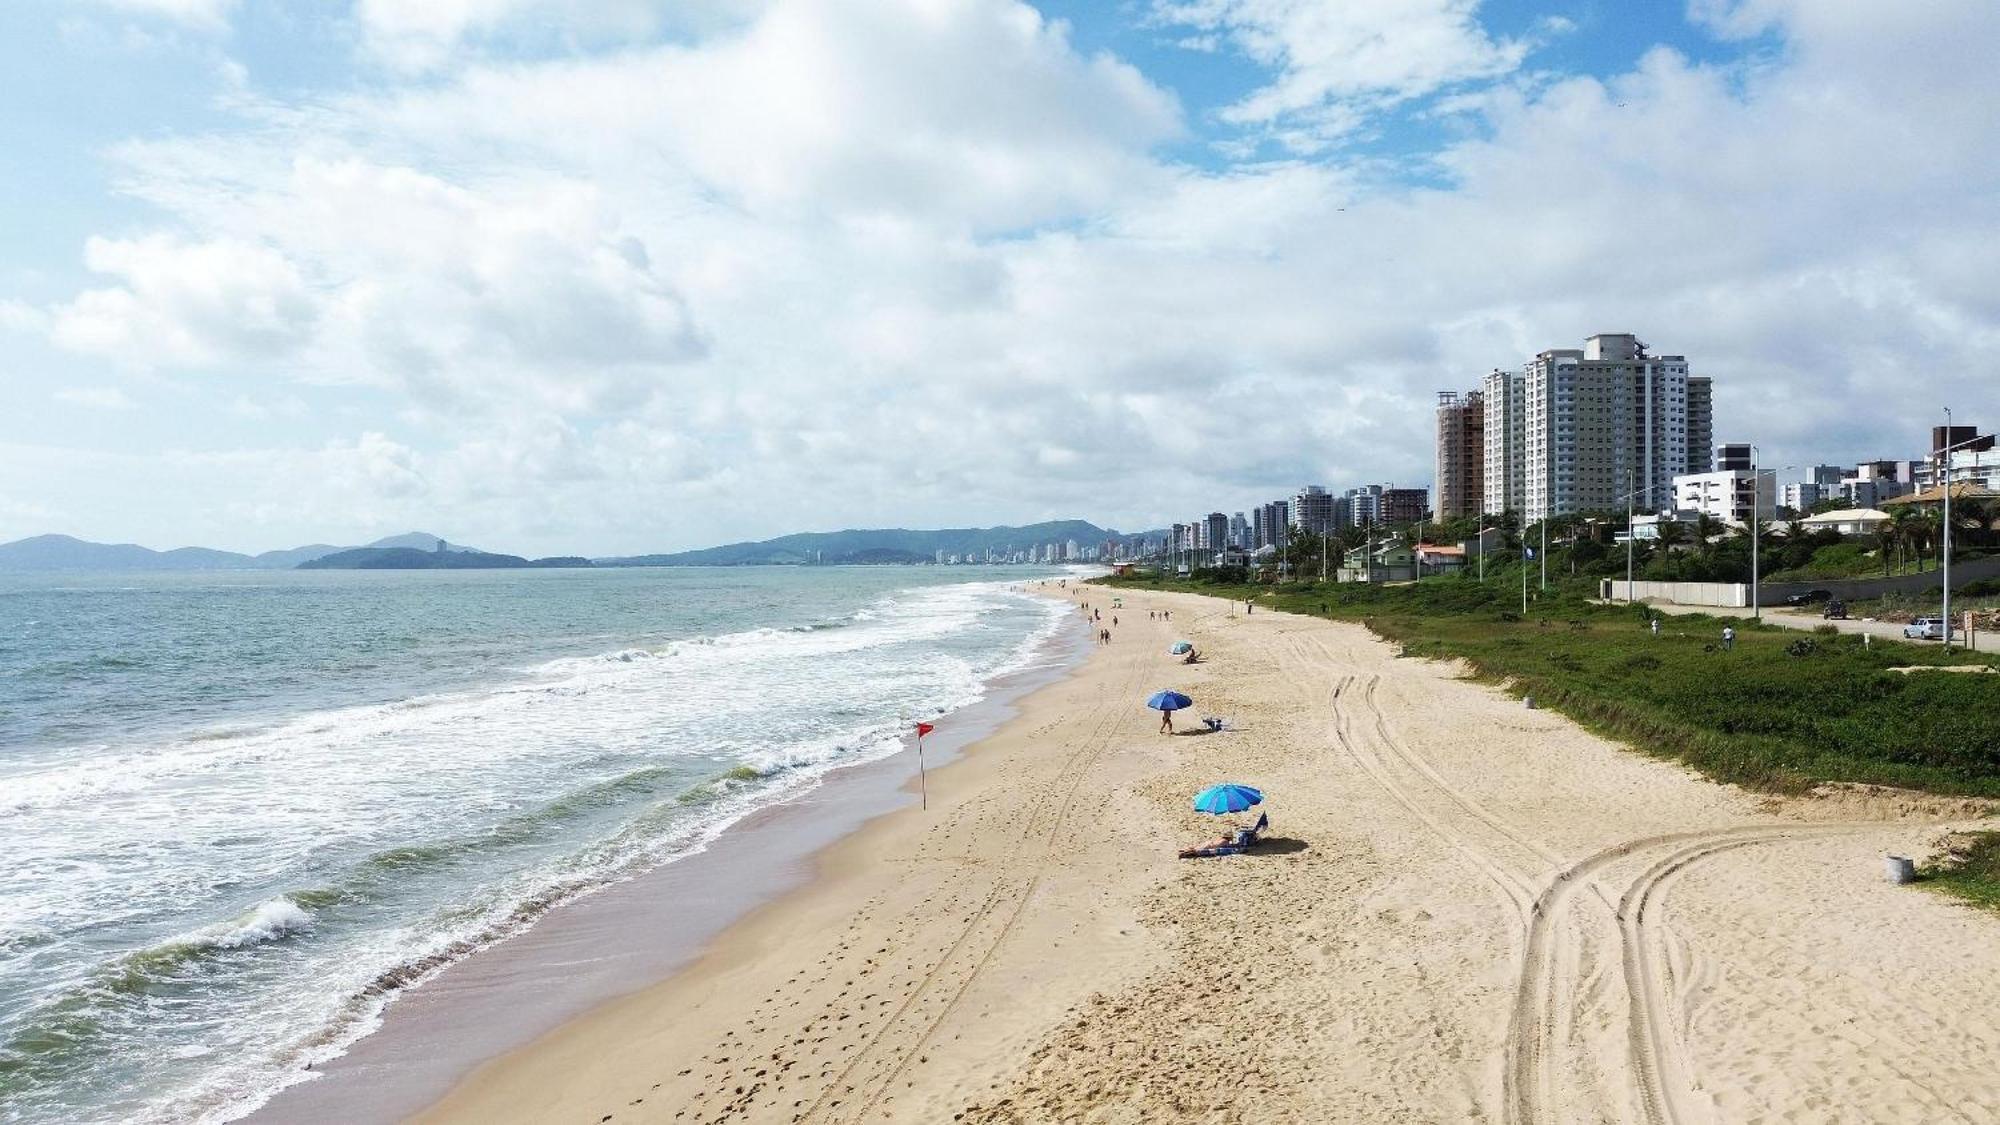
[410, 558]
[890, 545]
[65, 552]
[420, 541]
[419, 550]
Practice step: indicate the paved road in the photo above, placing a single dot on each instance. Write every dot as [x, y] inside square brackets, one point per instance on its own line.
[1985, 641]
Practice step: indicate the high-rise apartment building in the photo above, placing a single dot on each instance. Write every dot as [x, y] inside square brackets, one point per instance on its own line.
[1404, 506]
[1239, 532]
[1364, 505]
[1215, 525]
[1313, 511]
[1272, 524]
[1504, 434]
[1461, 454]
[1597, 423]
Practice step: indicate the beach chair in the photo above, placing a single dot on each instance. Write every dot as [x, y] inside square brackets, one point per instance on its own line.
[1246, 838]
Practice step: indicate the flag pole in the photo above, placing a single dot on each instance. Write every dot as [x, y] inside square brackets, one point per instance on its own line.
[923, 779]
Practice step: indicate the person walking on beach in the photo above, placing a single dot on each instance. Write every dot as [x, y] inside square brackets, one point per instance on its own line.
[1166, 722]
[1728, 638]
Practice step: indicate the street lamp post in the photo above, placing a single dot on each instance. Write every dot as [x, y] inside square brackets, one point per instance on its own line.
[1630, 494]
[1480, 538]
[1944, 458]
[1756, 608]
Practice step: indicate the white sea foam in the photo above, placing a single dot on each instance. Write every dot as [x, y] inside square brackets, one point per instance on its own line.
[475, 769]
[268, 921]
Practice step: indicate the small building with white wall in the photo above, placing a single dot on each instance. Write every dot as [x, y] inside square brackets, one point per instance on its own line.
[1846, 521]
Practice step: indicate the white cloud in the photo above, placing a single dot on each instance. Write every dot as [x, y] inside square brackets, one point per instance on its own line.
[1335, 61]
[602, 302]
[96, 398]
[182, 303]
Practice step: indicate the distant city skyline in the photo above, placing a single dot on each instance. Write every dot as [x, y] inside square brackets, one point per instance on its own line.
[646, 275]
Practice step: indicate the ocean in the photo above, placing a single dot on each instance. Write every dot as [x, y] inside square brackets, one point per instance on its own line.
[240, 811]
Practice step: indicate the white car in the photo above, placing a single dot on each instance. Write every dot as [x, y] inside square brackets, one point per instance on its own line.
[1925, 629]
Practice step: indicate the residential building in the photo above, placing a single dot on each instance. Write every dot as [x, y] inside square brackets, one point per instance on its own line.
[1312, 511]
[1215, 529]
[1404, 506]
[1847, 521]
[1461, 454]
[1873, 482]
[1271, 524]
[1503, 433]
[1239, 533]
[1379, 562]
[1726, 494]
[1364, 505]
[1437, 558]
[1734, 455]
[1822, 482]
[1943, 436]
[1604, 420]
[1980, 467]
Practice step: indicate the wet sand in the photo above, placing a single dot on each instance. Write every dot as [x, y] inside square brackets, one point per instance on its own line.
[1467, 910]
[630, 934]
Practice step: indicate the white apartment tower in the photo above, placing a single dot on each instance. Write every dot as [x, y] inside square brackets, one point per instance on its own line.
[1313, 511]
[1502, 436]
[1595, 424]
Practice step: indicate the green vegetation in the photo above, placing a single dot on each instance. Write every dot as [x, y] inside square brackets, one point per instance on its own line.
[1969, 868]
[1783, 710]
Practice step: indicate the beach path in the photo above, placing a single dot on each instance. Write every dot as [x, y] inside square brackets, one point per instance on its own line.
[1466, 910]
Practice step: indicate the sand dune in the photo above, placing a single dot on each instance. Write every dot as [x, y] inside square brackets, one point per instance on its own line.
[1468, 911]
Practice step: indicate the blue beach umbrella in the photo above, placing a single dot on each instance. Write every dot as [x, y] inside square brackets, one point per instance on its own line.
[1228, 797]
[1169, 701]
[1180, 647]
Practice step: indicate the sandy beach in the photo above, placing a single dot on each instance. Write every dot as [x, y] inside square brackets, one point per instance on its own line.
[1466, 910]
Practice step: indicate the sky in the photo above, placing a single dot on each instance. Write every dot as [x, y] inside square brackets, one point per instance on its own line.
[641, 275]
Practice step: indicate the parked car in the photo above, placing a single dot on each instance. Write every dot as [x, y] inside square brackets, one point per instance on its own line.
[1836, 610]
[1809, 597]
[1925, 629]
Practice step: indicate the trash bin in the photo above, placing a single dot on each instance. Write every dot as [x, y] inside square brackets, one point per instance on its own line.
[1900, 868]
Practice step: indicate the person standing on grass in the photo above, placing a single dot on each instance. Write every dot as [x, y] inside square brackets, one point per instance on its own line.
[1655, 624]
[1728, 638]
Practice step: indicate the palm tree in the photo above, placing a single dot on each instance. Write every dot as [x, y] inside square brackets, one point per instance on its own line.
[1886, 539]
[1705, 529]
[1915, 528]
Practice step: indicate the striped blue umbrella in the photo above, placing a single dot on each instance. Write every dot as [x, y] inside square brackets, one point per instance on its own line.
[1228, 797]
[1169, 701]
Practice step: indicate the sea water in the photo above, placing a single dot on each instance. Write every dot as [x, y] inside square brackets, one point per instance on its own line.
[240, 812]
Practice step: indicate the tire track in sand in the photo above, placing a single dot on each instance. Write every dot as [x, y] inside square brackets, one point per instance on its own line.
[890, 1055]
[1655, 1046]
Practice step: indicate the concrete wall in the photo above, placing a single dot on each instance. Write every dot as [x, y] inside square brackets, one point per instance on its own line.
[1775, 593]
[1962, 571]
[1679, 593]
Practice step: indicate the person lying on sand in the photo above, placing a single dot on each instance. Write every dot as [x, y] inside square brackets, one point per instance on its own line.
[1234, 840]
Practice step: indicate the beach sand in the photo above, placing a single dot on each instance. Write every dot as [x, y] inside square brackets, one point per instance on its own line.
[1465, 911]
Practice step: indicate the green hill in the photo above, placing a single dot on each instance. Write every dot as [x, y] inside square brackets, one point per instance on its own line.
[879, 545]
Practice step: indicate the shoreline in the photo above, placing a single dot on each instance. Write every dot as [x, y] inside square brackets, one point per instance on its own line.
[1465, 910]
[582, 954]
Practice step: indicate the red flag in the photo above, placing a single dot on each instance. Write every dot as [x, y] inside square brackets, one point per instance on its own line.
[924, 729]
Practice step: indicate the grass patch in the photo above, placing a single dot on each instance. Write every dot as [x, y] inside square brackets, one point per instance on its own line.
[1969, 868]
[1781, 711]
